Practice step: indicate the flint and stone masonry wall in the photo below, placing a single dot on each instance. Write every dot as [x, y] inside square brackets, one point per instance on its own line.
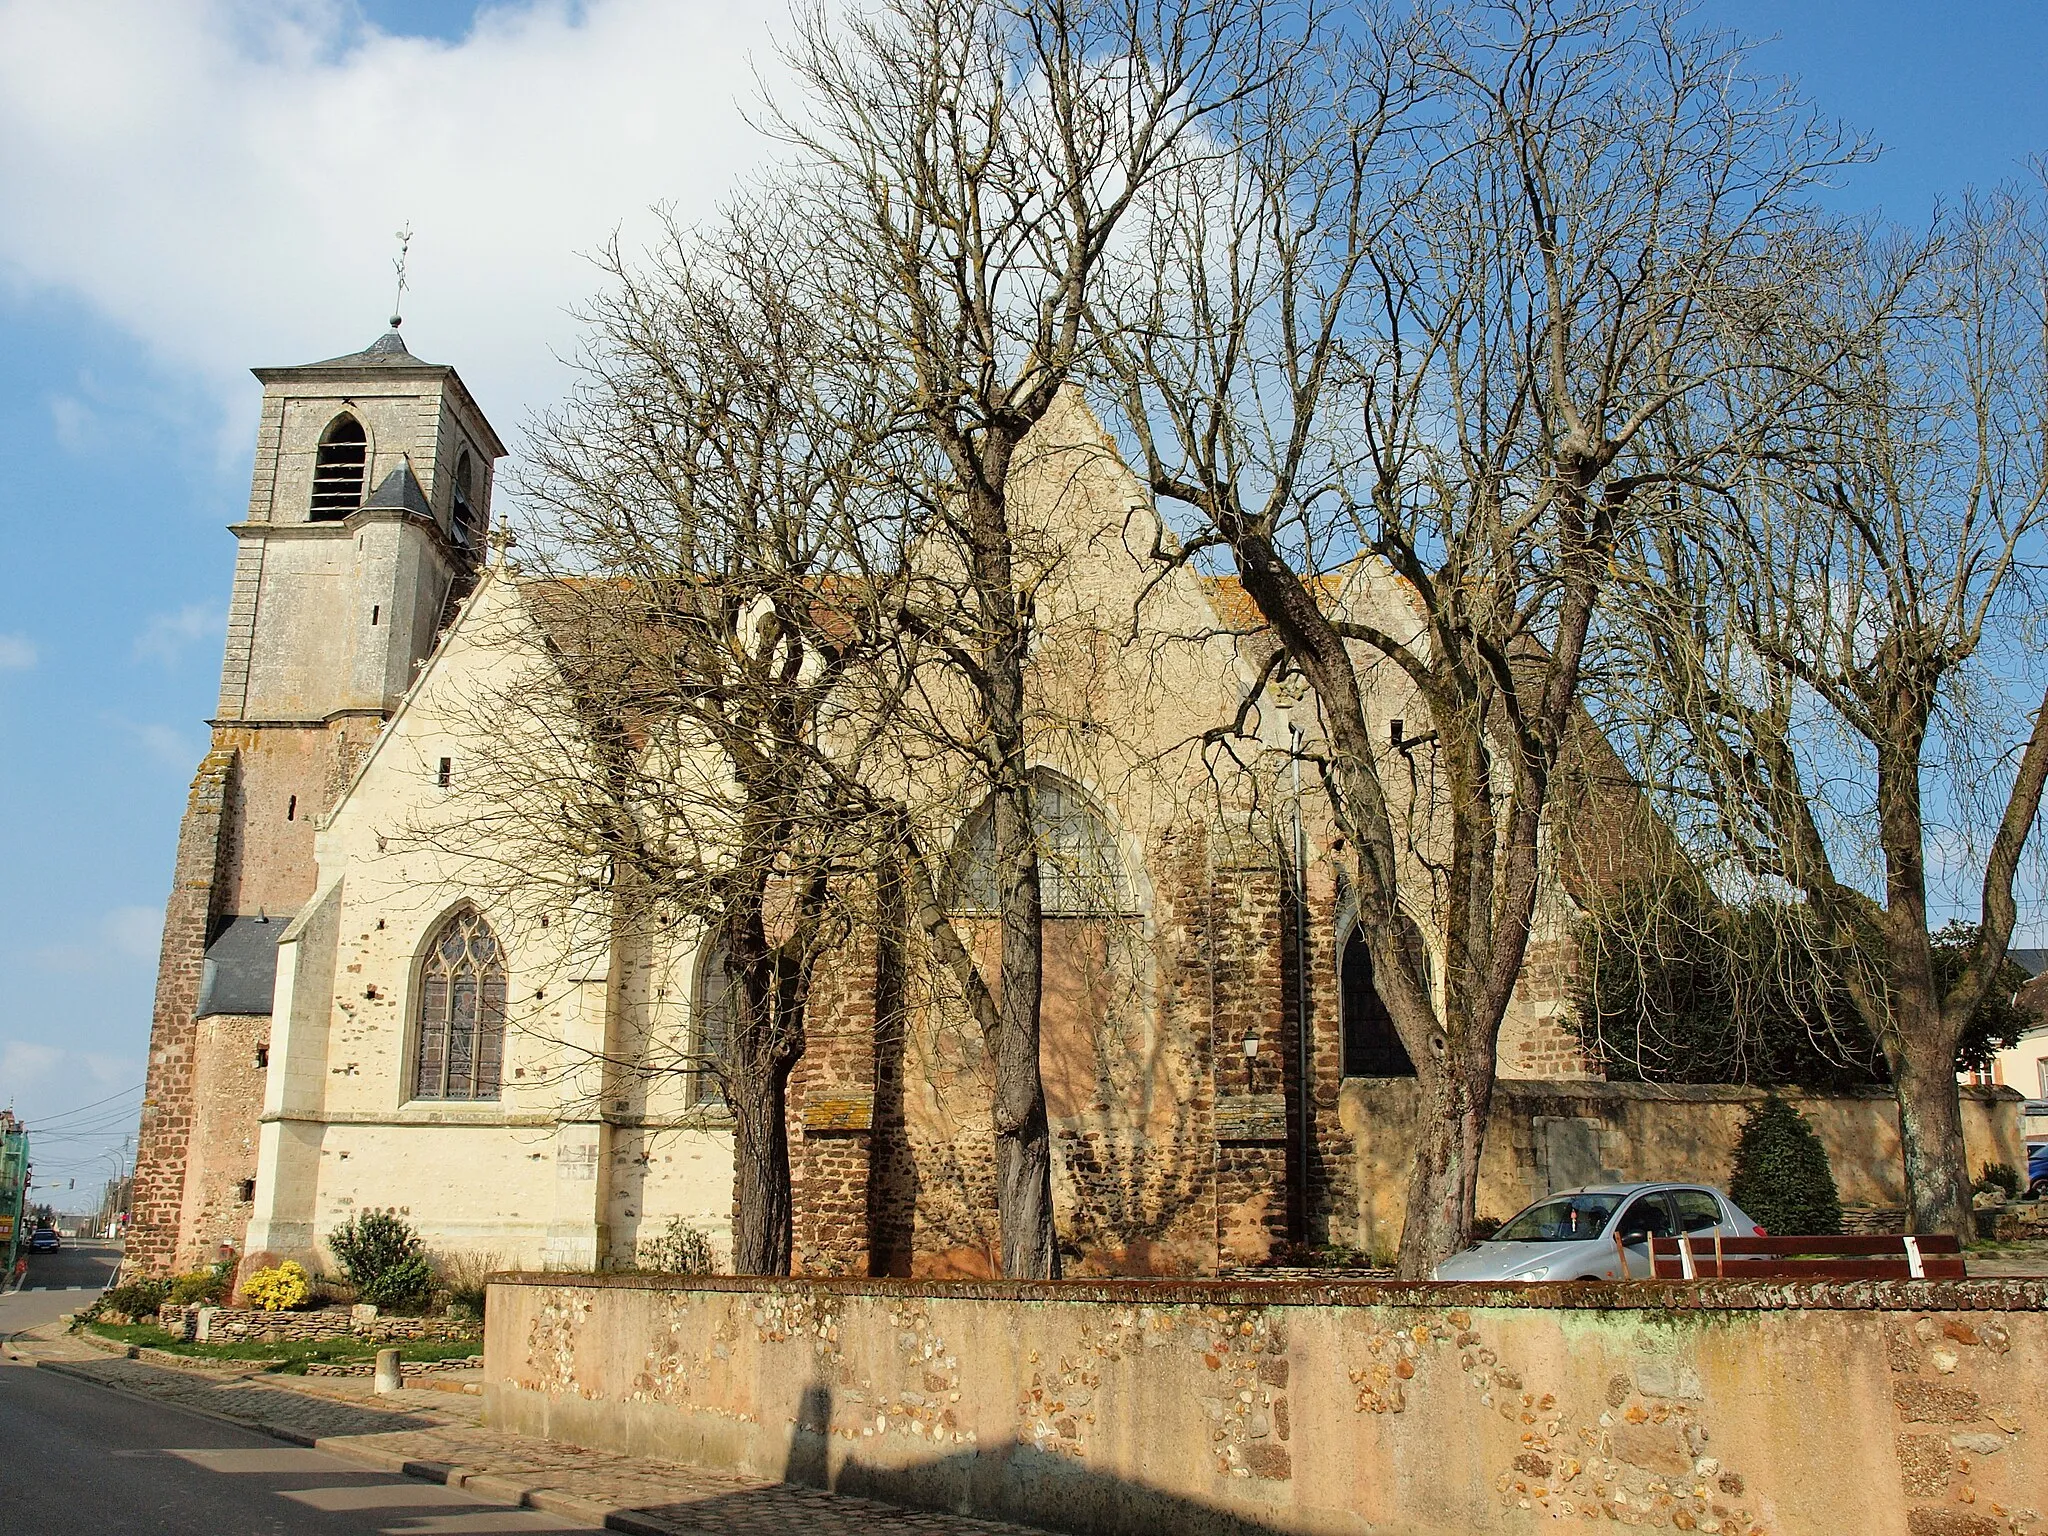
[1133, 1407]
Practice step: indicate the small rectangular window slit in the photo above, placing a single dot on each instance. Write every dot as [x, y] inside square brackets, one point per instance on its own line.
[375, 609]
[447, 769]
[291, 809]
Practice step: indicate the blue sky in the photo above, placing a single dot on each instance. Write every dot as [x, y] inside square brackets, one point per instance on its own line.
[189, 188]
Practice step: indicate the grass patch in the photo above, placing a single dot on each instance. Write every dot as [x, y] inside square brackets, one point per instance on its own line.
[288, 1356]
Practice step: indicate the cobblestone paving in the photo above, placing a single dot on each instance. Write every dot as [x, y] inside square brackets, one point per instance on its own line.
[445, 1432]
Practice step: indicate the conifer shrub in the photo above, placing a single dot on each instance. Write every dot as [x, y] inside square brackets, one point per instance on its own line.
[1782, 1178]
[384, 1259]
[279, 1288]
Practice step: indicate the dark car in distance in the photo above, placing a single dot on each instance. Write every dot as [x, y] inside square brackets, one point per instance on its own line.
[44, 1240]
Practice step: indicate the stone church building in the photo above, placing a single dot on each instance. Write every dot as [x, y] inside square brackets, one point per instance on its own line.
[354, 1012]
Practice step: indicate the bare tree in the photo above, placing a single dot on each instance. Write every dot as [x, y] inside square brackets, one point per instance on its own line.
[1840, 664]
[966, 165]
[713, 573]
[1404, 355]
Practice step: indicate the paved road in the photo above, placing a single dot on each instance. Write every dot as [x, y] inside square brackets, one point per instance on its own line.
[80, 1265]
[81, 1461]
[59, 1282]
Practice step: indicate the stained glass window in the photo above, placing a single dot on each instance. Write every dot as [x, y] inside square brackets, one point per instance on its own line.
[709, 1028]
[462, 1012]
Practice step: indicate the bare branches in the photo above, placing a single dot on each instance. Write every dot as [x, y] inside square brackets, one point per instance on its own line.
[1411, 349]
[1844, 681]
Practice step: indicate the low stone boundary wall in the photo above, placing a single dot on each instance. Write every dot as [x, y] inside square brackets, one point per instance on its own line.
[221, 1325]
[1132, 1408]
[406, 1368]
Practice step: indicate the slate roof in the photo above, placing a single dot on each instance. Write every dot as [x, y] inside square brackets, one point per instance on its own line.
[401, 488]
[241, 966]
[387, 351]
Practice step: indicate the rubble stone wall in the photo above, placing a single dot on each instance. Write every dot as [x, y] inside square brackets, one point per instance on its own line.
[1551, 1135]
[1124, 1407]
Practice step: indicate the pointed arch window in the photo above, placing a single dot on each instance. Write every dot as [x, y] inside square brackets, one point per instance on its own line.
[465, 521]
[1372, 1046]
[461, 1012]
[1080, 868]
[710, 1028]
[339, 469]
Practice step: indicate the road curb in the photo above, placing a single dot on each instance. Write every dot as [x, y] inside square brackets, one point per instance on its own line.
[490, 1487]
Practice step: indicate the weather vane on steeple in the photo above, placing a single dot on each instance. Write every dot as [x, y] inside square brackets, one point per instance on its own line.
[404, 238]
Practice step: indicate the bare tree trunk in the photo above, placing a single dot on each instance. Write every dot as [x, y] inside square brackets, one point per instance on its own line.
[1023, 1152]
[763, 1223]
[1931, 1129]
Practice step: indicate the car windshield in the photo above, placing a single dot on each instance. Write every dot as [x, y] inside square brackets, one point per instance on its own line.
[1567, 1219]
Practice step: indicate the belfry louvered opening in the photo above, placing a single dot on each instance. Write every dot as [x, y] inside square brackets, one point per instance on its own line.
[461, 1012]
[340, 469]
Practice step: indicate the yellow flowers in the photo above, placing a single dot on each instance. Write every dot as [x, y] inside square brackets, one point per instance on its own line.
[278, 1289]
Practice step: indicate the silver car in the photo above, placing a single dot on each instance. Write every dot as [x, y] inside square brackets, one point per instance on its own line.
[1571, 1236]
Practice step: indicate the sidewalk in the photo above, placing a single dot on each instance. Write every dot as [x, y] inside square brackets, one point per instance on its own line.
[439, 1436]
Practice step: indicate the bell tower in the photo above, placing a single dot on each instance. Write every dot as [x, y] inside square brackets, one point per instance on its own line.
[368, 511]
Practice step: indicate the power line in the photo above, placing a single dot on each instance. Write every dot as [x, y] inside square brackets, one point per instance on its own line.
[51, 1120]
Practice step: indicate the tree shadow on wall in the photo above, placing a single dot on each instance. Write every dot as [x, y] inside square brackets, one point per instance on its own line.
[991, 1489]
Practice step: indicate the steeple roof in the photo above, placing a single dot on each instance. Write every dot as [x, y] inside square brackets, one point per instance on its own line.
[401, 488]
[387, 351]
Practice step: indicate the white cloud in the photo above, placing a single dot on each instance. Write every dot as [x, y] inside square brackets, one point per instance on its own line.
[126, 936]
[17, 653]
[132, 933]
[222, 177]
[26, 1064]
[167, 744]
[167, 635]
[74, 422]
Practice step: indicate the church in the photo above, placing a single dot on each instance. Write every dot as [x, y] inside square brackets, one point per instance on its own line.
[354, 1013]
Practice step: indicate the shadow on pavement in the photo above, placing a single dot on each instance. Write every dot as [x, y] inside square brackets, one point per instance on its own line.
[244, 1398]
[991, 1488]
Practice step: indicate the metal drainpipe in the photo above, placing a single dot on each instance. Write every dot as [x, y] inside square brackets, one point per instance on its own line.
[1304, 1072]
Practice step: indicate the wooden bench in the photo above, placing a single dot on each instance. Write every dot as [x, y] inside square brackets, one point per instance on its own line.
[1709, 1256]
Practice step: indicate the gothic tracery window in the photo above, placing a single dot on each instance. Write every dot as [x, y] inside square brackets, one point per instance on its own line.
[339, 470]
[710, 1025]
[1080, 868]
[461, 1012]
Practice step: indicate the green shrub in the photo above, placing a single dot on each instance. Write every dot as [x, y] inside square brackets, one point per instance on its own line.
[406, 1286]
[681, 1250]
[370, 1242]
[1782, 1178]
[2000, 1176]
[382, 1257]
[137, 1298]
[203, 1287]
